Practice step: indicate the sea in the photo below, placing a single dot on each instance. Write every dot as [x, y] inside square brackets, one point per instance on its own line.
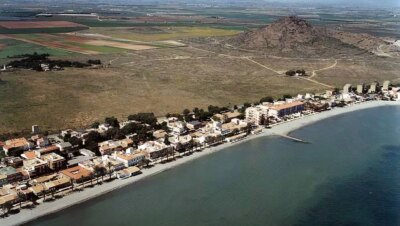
[348, 174]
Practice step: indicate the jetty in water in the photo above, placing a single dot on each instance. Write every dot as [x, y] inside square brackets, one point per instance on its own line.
[293, 138]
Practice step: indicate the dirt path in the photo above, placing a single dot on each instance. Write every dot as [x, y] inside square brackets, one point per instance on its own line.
[314, 72]
[262, 65]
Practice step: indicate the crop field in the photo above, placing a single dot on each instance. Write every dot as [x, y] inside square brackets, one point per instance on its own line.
[31, 27]
[11, 47]
[37, 24]
[151, 34]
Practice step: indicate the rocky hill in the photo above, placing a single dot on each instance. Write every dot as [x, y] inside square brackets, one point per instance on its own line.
[293, 35]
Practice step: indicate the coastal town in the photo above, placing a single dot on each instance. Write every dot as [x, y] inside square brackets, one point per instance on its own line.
[44, 168]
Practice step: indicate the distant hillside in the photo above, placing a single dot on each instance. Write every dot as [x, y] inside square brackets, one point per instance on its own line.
[293, 35]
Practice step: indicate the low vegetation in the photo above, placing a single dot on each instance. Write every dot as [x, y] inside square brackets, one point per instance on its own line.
[39, 62]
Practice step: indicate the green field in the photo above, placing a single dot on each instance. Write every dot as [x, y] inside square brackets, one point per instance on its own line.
[15, 47]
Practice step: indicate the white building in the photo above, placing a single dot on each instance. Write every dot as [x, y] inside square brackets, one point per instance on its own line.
[130, 157]
[256, 114]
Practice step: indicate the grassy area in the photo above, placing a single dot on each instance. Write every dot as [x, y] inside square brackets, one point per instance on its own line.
[166, 33]
[15, 47]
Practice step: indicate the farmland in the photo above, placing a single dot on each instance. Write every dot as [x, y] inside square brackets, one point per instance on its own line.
[28, 27]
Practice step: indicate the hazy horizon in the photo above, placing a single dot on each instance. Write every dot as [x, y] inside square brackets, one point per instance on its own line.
[249, 3]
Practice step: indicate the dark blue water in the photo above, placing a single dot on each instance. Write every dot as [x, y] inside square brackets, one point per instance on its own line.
[348, 175]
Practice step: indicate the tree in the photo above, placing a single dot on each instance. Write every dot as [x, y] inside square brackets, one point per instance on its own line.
[75, 141]
[95, 125]
[166, 140]
[91, 175]
[21, 197]
[147, 118]
[67, 137]
[186, 112]
[290, 73]
[97, 173]
[7, 207]
[112, 121]
[267, 99]
[110, 171]
[287, 96]
[82, 182]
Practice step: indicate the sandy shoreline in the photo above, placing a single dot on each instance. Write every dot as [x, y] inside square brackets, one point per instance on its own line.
[43, 209]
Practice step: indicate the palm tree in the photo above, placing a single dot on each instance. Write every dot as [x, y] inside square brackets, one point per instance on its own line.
[52, 191]
[21, 197]
[91, 178]
[109, 165]
[6, 208]
[82, 181]
[102, 173]
[44, 193]
[97, 173]
[72, 184]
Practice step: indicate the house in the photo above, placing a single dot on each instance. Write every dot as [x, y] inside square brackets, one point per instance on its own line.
[15, 147]
[228, 116]
[130, 157]
[347, 88]
[47, 150]
[3, 180]
[360, 89]
[8, 195]
[385, 86]
[177, 127]
[125, 143]
[159, 134]
[57, 184]
[181, 143]
[77, 174]
[78, 159]
[373, 87]
[106, 162]
[128, 172]
[11, 174]
[194, 125]
[35, 167]
[156, 149]
[236, 137]
[42, 142]
[108, 147]
[29, 155]
[284, 109]
[64, 146]
[87, 152]
[13, 161]
[55, 162]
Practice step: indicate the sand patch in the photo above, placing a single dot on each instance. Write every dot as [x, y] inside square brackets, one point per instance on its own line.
[120, 45]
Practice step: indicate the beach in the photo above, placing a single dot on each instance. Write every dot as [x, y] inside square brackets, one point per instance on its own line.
[89, 193]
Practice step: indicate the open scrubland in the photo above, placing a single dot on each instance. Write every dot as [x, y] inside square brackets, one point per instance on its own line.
[161, 67]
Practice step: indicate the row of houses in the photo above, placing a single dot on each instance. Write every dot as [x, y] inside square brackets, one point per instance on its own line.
[48, 163]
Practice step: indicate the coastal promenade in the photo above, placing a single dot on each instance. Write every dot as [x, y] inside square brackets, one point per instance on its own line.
[283, 129]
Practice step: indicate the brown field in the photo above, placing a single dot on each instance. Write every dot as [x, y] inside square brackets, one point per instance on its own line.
[119, 45]
[38, 24]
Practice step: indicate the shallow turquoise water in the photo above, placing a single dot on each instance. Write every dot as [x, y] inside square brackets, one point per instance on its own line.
[348, 175]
